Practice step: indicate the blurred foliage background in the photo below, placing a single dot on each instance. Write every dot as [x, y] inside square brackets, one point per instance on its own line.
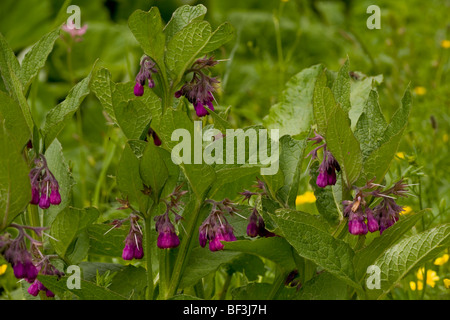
[275, 39]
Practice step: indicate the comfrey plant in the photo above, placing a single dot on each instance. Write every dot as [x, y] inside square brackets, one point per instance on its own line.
[173, 210]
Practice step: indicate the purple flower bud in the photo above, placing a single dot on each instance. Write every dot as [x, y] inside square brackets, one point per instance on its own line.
[34, 289]
[55, 197]
[215, 244]
[322, 179]
[202, 238]
[139, 252]
[156, 139]
[49, 294]
[128, 252]
[167, 237]
[31, 272]
[372, 223]
[356, 226]
[200, 110]
[178, 94]
[138, 90]
[331, 177]
[19, 270]
[44, 202]
[151, 83]
[34, 195]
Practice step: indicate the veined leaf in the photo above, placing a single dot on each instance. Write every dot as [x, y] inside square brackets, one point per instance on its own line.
[12, 117]
[407, 254]
[323, 103]
[341, 88]
[183, 16]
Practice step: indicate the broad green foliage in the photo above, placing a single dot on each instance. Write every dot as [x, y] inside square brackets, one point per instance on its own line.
[139, 177]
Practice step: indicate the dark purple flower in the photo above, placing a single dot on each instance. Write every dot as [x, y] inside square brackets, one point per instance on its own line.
[44, 186]
[329, 165]
[387, 213]
[199, 91]
[55, 197]
[34, 289]
[34, 196]
[372, 223]
[133, 242]
[167, 237]
[252, 227]
[148, 67]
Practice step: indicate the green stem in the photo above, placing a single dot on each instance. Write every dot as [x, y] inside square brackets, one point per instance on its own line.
[183, 253]
[278, 284]
[148, 254]
[111, 150]
[226, 285]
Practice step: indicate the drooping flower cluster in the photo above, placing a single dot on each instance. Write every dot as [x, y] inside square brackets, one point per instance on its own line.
[167, 236]
[44, 186]
[329, 165]
[362, 219]
[148, 66]
[133, 242]
[23, 260]
[199, 91]
[46, 268]
[256, 225]
[216, 227]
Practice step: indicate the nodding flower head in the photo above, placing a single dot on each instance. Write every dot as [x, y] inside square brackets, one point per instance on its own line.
[44, 186]
[133, 242]
[20, 259]
[46, 268]
[257, 227]
[167, 237]
[199, 91]
[156, 140]
[216, 228]
[148, 67]
[329, 165]
[363, 219]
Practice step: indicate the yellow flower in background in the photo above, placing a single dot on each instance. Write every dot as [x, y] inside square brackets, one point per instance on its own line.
[445, 137]
[3, 269]
[441, 260]
[400, 155]
[432, 277]
[307, 197]
[406, 210]
[447, 283]
[445, 44]
[414, 286]
[420, 91]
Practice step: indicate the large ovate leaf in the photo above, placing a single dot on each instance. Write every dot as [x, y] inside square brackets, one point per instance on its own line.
[15, 188]
[133, 117]
[106, 242]
[67, 226]
[12, 117]
[324, 286]
[407, 254]
[323, 103]
[35, 59]
[275, 249]
[147, 28]
[183, 16]
[57, 117]
[294, 113]
[310, 239]
[88, 290]
[153, 170]
[341, 87]
[344, 146]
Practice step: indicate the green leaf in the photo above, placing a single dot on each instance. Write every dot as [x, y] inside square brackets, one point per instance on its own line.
[147, 28]
[153, 170]
[291, 159]
[250, 265]
[8, 63]
[104, 243]
[311, 241]
[407, 254]
[275, 249]
[183, 16]
[15, 189]
[12, 117]
[344, 146]
[380, 245]
[202, 262]
[68, 225]
[399, 120]
[129, 282]
[341, 88]
[103, 87]
[230, 181]
[370, 126]
[261, 291]
[58, 166]
[186, 46]
[57, 117]
[224, 33]
[324, 286]
[133, 117]
[129, 179]
[326, 203]
[88, 291]
[35, 59]
[294, 113]
[323, 103]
